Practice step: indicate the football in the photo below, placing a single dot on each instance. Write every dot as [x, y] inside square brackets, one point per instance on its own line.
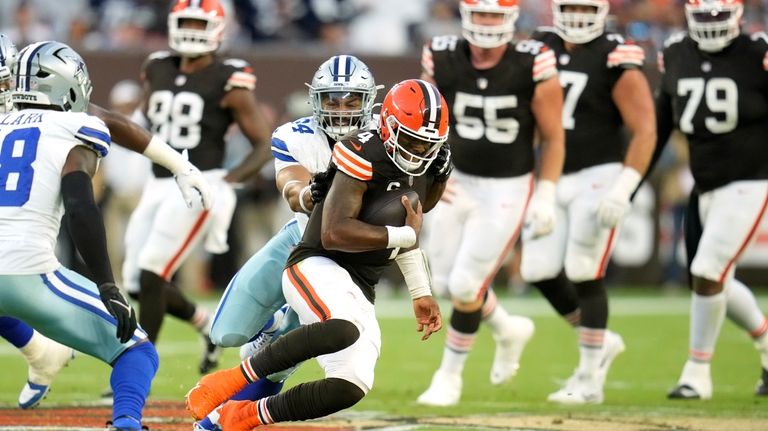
[387, 210]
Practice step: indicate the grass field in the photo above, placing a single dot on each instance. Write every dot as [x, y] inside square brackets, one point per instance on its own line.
[655, 329]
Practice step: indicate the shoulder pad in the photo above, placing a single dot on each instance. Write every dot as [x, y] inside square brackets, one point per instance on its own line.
[93, 133]
[349, 158]
[237, 62]
[531, 46]
[242, 76]
[675, 38]
[157, 55]
[615, 37]
[444, 43]
[626, 55]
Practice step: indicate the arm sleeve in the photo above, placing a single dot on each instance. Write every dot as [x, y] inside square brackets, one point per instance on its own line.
[85, 224]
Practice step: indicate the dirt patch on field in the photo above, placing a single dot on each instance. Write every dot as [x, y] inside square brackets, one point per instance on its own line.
[170, 416]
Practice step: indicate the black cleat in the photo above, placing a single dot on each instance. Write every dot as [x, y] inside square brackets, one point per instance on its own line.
[683, 392]
[211, 353]
[762, 384]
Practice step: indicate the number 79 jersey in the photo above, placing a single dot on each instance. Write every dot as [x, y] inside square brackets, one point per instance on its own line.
[492, 124]
[720, 102]
[185, 109]
[34, 145]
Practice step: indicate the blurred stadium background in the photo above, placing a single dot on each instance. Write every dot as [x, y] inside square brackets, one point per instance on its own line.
[285, 40]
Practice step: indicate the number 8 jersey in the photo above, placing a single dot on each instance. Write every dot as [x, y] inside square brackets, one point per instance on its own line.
[34, 145]
[492, 125]
[185, 109]
[720, 102]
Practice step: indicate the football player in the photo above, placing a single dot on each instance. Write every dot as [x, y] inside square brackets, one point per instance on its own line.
[192, 97]
[49, 149]
[46, 357]
[342, 94]
[713, 90]
[331, 276]
[605, 92]
[500, 93]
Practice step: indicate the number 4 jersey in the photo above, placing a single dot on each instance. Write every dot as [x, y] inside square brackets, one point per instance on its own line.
[185, 109]
[34, 145]
[492, 125]
[720, 102]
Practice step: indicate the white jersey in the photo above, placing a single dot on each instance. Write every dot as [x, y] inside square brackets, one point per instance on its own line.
[34, 145]
[302, 142]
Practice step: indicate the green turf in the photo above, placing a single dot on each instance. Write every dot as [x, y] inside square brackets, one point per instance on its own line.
[639, 379]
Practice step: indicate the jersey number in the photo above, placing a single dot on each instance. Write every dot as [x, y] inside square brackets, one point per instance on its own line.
[176, 118]
[721, 96]
[495, 129]
[574, 84]
[17, 153]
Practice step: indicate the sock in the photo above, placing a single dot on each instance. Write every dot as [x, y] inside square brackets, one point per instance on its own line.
[182, 308]
[152, 303]
[132, 375]
[494, 315]
[590, 349]
[743, 310]
[309, 400]
[259, 389]
[15, 331]
[462, 332]
[200, 320]
[707, 316]
[561, 294]
[593, 302]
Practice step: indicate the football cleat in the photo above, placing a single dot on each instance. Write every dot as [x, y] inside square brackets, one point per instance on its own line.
[509, 348]
[42, 369]
[444, 391]
[613, 347]
[581, 388]
[211, 353]
[762, 384]
[695, 383]
[208, 423]
[213, 389]
[126, 423]
[239, 415]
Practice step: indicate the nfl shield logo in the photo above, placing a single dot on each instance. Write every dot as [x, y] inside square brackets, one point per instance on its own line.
[482, 83]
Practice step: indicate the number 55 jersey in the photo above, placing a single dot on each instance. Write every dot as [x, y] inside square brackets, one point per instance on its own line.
[720, 102]
[34, 145]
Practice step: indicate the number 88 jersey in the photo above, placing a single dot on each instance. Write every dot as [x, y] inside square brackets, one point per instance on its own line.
[492, 125]
[185, 109]
[720, 102]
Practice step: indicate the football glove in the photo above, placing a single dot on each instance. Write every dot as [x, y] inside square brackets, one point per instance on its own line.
[442, 166]
[192, 184]
[540, 216]
[616, 202]
[320, 184]
[120, 309]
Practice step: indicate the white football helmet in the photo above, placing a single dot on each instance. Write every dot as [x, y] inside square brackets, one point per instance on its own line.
[489, 36]
[340, 79]
[52, 74]
[8, 55]
[194, 42]
[579, 27]
[713, 24]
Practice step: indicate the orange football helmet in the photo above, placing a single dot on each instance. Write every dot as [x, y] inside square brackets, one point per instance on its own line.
[194, 42]
[489, 36]
[713, 24]
[413, 125]
[579, 27]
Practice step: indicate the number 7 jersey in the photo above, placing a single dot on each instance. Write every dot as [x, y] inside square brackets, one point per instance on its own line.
[34, 145]
[720, 102]
[492, 125]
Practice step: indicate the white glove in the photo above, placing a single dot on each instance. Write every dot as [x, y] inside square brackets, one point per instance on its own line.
[192, 184]
[540, 216]
[615, 203]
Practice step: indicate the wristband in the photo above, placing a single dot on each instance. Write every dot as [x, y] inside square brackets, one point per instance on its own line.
[301, 199]
[161, 153]
[402, 237]
[628, 180]
[413, 264]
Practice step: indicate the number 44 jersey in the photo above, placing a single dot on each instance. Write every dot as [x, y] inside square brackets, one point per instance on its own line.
[34, 145]
[492, 125]
[185, 108]
[720, 102]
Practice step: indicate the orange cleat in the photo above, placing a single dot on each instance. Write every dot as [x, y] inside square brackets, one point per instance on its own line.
[239, 416]
[214, 389]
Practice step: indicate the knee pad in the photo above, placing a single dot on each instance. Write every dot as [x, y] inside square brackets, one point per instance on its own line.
[580, 268]
[537, 268]
[463, 287]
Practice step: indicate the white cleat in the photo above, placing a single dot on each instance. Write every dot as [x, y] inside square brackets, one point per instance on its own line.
[581, 388]
[42, 370]
[612, 347]
[444, 391]
[509, 348]
[695, 383]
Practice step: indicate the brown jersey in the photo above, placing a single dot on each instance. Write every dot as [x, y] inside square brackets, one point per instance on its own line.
[492, 124]
[363, 157]
[185, 109]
